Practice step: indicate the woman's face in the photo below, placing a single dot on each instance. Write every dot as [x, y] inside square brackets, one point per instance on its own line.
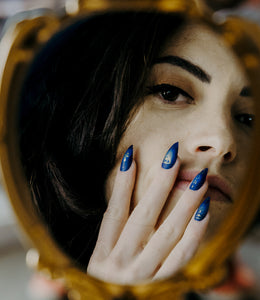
[198, 95]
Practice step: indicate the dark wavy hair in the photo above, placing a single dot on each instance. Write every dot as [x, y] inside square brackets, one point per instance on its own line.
[76, 102]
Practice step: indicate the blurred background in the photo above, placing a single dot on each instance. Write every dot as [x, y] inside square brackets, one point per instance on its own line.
[18, 282]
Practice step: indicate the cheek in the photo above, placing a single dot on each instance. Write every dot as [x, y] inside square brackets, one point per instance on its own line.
[244, 152]
[151, 136]
[149, 150]
[151, 140]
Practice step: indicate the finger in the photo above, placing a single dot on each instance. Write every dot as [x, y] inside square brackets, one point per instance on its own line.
[144, 217]
[186, 248]
[171, 231]
[117, 211]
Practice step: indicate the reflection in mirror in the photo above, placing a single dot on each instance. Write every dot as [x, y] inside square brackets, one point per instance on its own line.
[149, 114]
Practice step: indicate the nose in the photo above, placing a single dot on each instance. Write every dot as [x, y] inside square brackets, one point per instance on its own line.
[213, 141]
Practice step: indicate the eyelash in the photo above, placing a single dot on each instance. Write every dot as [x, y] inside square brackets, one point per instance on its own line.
[170, 93]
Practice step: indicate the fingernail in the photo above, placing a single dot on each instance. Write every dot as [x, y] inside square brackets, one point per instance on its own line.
[127, 159]
[202, 210]
[198, 181]
[170, 157]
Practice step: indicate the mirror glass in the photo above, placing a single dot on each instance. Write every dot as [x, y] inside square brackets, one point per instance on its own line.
[129, 145]
[105, 107]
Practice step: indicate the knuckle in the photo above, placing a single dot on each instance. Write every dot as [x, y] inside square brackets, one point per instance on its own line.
[156, 251]
[117, 258]
[169, 232]
[135, 273]
[181, 257]
[143, 214]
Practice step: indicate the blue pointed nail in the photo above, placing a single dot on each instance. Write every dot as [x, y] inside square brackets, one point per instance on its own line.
[127, 159]
[198, 181]
[170, 157]
[202, 210]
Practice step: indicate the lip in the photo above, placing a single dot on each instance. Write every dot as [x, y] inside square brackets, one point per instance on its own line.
[218, 190]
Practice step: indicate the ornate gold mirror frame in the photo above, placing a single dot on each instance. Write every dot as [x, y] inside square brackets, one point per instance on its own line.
[17, 49]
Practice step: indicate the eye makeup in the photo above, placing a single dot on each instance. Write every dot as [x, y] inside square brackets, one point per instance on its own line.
[169, 81]
[170, 93]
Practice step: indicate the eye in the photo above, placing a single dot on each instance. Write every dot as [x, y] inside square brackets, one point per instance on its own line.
[170, 93]
[246, 119]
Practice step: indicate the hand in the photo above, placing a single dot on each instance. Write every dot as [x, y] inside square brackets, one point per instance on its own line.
[129, 249]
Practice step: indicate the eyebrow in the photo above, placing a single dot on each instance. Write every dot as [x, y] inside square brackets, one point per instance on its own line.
[186, 65]
[246, 92]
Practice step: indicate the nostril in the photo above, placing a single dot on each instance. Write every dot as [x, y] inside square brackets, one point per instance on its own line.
[227, 156]
[204, 148]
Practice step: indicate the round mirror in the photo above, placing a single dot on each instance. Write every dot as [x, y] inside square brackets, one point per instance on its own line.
[129, 143]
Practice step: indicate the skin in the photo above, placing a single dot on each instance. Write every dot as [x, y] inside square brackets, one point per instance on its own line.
[149, 231]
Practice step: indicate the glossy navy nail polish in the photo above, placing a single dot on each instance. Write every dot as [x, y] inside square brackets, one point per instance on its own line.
[171, 156]
[198, 181]
[202, 210]
[127, 159]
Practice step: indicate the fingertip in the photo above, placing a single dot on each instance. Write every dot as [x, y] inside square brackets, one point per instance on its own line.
[131, 169]
[177, 163]
[127, 160]
[199, 180]
[207, 218]
[204, 221]
[123, 184]
[170, 157]
[121, 181]
[175, 168]
[202, 210]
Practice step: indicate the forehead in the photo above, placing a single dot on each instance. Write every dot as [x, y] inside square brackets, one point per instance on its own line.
[192, 39]
[204, 47]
